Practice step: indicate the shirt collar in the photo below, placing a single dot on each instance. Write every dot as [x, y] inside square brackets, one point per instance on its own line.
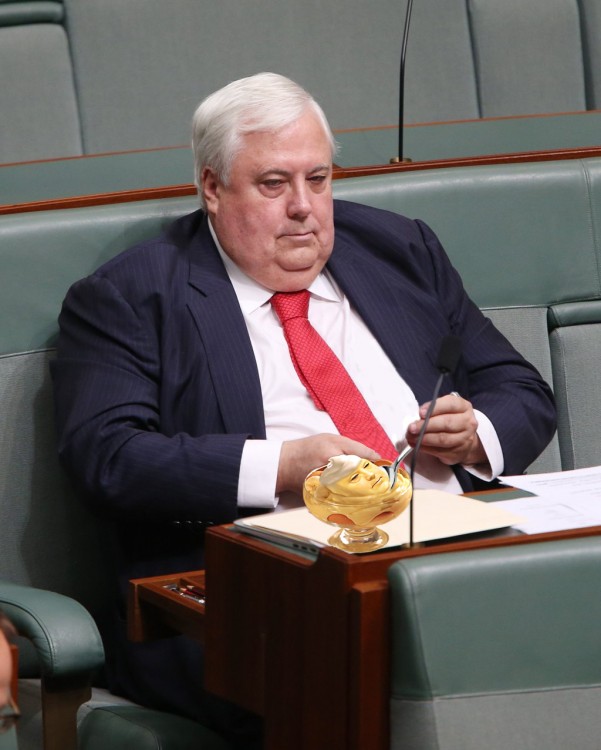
[252, 295]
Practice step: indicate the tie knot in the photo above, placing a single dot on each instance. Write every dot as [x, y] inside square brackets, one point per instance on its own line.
[290, 305]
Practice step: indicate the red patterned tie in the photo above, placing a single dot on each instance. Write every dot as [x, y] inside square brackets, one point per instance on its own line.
[323, 375]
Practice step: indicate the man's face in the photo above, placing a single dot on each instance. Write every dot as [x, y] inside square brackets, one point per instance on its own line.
[367, 480]
[275, 217]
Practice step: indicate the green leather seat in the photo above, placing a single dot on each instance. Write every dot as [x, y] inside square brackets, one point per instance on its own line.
[8, 740]
[137, 728]
[69, 651]
[37, 97]
[498, 648]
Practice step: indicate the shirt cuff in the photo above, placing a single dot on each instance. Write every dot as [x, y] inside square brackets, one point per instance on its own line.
[258, 474]
[492, 447]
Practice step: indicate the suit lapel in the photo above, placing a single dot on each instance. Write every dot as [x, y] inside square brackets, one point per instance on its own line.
[386, 304]
[229, 354]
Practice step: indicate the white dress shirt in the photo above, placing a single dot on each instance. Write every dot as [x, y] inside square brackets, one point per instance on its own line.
[289, 410]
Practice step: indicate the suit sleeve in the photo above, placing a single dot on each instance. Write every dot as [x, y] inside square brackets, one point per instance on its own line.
[109, 385]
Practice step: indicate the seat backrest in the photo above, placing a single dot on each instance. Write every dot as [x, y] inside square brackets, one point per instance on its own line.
[576, 353]
[40, 118]
[44, 527]
[497, 648]
[590, 13]
[440, 75]
[575, 337]
[528, 56]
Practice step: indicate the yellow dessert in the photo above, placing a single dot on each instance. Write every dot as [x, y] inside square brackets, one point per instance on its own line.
[353, 492]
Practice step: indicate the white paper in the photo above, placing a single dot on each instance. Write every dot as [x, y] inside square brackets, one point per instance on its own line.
[563, 500]
[437, 515]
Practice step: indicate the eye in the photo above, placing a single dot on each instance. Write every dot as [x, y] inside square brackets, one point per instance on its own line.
[354, 478]
[317, 181]
[272, 184]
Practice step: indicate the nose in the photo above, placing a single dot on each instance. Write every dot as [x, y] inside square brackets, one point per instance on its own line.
[369, 473]
[299, 205]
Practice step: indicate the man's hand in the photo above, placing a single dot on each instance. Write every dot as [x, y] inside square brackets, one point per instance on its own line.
[451, 433]
[299, 457]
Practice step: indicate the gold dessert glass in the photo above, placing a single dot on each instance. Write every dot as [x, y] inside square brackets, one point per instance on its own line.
[358, 516]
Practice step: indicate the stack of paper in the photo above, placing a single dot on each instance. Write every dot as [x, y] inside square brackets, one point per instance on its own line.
[436, 515]
[561, 500]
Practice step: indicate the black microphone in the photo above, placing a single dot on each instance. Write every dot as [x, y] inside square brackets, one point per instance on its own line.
[448, 358]
[400, 158]
[449, 354]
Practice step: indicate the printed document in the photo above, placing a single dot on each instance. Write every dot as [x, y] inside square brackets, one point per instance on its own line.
[560, 500]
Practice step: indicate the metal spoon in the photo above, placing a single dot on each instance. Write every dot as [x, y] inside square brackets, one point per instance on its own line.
[392, 470]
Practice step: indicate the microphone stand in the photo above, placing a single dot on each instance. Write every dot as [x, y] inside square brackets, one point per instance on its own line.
[422, 432]
[400, 159]
[448, 357]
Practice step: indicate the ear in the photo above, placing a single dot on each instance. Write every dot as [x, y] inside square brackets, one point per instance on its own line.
[210, 189]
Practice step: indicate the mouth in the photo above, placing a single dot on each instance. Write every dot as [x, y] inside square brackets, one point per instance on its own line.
[298, 235]
[376, 483]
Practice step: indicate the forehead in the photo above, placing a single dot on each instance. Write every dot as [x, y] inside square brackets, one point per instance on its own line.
[301, 143]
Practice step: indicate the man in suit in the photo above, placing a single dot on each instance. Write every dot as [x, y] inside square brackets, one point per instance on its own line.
[178, 402]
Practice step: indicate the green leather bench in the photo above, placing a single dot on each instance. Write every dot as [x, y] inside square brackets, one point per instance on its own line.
[51, 566]
[63, 95]
[498, 648]
[525, 238]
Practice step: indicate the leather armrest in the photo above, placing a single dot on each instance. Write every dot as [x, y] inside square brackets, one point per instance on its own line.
[63, 632]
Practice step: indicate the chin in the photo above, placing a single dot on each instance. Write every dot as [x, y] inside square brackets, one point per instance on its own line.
[294, 281]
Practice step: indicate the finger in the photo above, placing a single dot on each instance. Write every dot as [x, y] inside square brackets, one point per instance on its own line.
[450, 437]
[444, 439]
[442, 423]
[452, 403]
[463, 422]
[358, 449]
[354, 447]
[446, 446]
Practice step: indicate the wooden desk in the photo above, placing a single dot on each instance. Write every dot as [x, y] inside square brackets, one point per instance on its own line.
[155, 610]
[301, 640]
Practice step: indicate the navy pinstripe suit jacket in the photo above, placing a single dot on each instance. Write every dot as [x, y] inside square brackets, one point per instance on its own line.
[157, 389]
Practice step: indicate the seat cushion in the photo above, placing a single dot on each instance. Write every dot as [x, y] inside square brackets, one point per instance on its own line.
[497, 648]
[8, 740]
[137, 728]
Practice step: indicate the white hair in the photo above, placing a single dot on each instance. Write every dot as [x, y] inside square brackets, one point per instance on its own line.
[338, 468]
[263, 102]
